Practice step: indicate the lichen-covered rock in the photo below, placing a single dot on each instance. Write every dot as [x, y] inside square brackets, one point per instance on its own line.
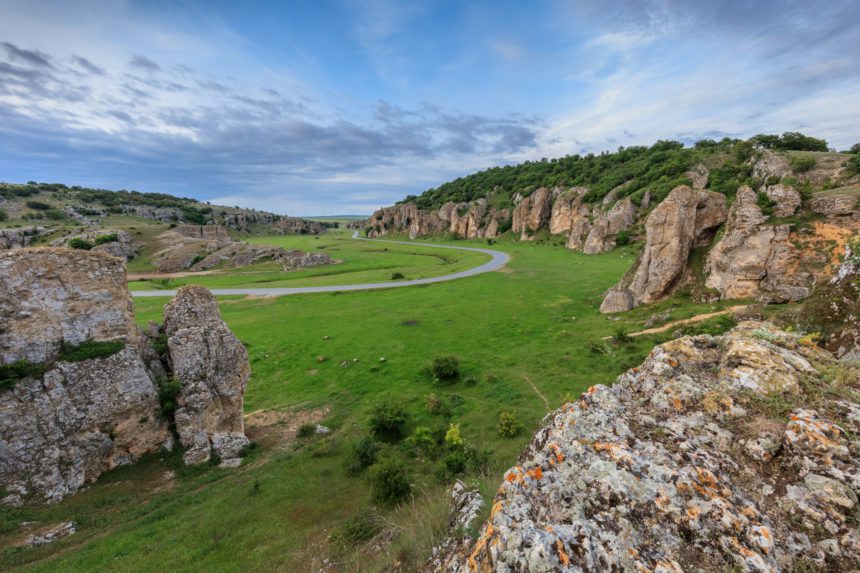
[601, 236]
[767, 163]
[835, 204]
[682, 465]
[532, 213]
[671, 230]
[212, 367]
[51, 296]
[786, 198]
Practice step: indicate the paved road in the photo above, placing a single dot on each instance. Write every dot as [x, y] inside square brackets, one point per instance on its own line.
[499, 259]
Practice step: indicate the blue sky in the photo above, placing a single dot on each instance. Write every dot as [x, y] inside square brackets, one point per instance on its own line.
[315, 107]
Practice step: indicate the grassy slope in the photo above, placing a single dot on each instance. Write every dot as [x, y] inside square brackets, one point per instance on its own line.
[533, 322]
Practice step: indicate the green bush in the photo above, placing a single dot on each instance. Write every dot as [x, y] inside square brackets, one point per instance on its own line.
[3, 215]
[453, 438]
[397, 276]
[89, 350]
[390, 482]
[622, 238]
[446, 368]
[37, 205]
[766, 204]
[802, 163]
[306, 430]
[853, 164]
[11, 374]
[102, 239]
[80, 244]
[388, 421]
[508, 426]
[168, 397]
[363, 455]
[433, 404]
[422, 442]
[621, 336]
[454, 462]
[323, 448]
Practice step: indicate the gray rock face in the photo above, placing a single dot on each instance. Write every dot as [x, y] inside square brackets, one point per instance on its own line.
[601, 236]
[61, 428]
[834, 204]
[123, 247]
[676, 468]
[787, 199]
[21, 237]
[671, 230]
[50, 296]
[212, 366]
[532, 213]
[62, 431]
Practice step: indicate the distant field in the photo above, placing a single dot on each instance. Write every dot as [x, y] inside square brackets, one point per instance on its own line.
[361, 262]
[528, 337]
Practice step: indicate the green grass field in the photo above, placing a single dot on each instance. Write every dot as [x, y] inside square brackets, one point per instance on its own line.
[527, 337]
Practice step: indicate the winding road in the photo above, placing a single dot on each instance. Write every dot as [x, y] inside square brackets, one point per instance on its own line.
[498, 260]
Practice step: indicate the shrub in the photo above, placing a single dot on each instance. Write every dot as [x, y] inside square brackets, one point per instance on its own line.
[397, 276]
[168, 397]
[446, 368]
[621, 336]
[622, 238]
[766, 204]
[455, 462]
[323, 448]
[388, 421]
[80, 244]
[363, 455]
[90, 350]
[390, 482]
[802, 163]
[508, 426]
[358, 529]
[306, 430]
[102, 239]
[11, 374]
[422, 441]
[453, 438]
[433, 404]
[3, 215]
[37, 205]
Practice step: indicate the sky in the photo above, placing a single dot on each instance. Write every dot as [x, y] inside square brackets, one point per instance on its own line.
[320, 108]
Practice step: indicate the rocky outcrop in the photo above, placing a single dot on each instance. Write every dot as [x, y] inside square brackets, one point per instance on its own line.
[684, 465]
[836, 204]
[566, 210]
[62, 427]
[532, 214]
[78, 381]
[21, 237]
[766, 164]
[786, 199]
[601, 236]
[671, 230]
[200, 248]
[755, 259]
[212, 366]
[50, 297]
[465, 220]
[120, 246]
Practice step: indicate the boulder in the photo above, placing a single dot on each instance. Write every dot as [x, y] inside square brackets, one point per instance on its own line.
[21, 237]
[212, 367]
[834, 204]
[671, 230]
[786, 198]
[767, 163]
[698, 176]
[601, 236]
[674, 468]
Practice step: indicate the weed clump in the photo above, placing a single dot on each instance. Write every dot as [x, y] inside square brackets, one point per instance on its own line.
[89, 350]
[390, 482]
[446, 368]
[358, 529]
[306, 430]
[364, 454]
[388, 421]
[508, 426]
[397, 276]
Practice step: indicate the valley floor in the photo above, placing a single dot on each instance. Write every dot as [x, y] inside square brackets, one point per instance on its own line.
[529, 337]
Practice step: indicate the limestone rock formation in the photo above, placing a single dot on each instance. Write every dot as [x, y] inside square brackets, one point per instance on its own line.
[50, 297]
[671, 230]
[835, 204]
[601, 236]
[201, 247]
[754, 259]
[532, 213]
[121, 246]
[68, 415]
[21, 237]
[767, 163]
[682, 465]
[61, 428]
[786, 198]
[212, 366]
[565, 210]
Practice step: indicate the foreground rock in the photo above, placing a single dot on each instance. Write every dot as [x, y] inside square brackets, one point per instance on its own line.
[717, 454]
[78, 390]
[212, 366]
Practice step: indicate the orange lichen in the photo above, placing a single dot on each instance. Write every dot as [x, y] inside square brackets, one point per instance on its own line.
[536, 473]
[617, 452]
[562, 556]
[559, 455]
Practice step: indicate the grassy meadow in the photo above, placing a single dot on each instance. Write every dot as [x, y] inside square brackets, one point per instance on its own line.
[527, 339]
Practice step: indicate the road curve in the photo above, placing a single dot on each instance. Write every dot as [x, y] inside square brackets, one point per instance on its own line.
[498, 260]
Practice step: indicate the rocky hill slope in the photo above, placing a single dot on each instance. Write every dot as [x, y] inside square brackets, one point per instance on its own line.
[83, 389]
[730, 453]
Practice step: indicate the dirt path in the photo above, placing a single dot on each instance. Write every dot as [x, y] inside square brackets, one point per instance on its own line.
[538, 392]
[691, 320]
